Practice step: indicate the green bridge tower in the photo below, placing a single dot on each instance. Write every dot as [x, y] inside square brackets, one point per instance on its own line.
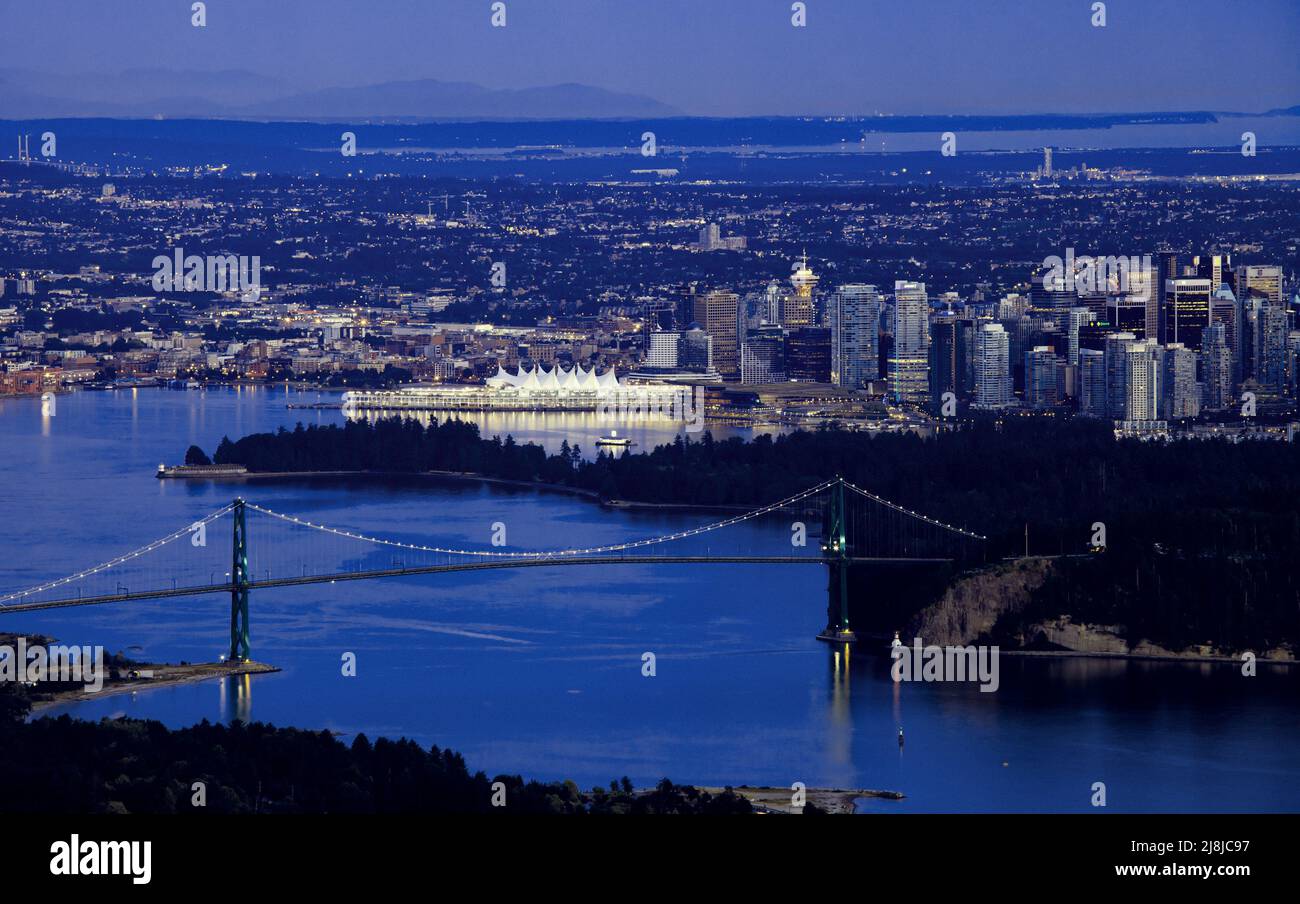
[239, 588]
[835, 550]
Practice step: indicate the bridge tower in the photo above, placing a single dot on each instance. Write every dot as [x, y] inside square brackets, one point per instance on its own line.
[835, 551]
[239, 588]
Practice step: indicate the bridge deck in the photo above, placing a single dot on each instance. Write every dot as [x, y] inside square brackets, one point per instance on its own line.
[468, 566]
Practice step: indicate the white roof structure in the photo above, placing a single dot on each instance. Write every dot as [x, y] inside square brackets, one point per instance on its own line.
[557, 379]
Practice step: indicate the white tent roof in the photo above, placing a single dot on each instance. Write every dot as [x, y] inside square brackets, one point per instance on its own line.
[556, 379]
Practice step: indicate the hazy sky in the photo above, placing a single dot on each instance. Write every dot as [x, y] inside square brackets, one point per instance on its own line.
[713, 57]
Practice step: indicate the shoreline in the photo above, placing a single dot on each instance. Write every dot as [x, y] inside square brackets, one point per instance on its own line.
[835, 801]
[163, 675]
[1153, 657]
[467, 476]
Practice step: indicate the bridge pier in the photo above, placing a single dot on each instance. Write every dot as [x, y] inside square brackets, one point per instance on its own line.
[835, 550]
[239, 651]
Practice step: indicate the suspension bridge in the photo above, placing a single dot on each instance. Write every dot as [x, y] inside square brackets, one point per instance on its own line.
[835, 524]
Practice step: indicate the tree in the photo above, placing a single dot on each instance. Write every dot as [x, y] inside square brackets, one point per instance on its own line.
[196, 456]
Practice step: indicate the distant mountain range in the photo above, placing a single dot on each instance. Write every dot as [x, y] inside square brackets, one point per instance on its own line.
[237, 94]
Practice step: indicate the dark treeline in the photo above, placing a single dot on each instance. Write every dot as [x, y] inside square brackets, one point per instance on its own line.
[1200, 535]
[66, 765]
[1058, 476]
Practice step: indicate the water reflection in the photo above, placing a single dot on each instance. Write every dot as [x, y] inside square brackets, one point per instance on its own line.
[839, 723]
[236, 698]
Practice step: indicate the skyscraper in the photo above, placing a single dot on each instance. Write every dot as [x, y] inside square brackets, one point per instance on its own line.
[853, 312]
[908, 363]
[1092, 383]
[1270, 346]
[1225, 309]
[718, 314]
[1217, 268]
[949, 346]
[1142, 381]
[1117, 345]
[992, 367]
[1264, 281]
[1217, 362]
[1187, 310]
[808, 354]
[1042, 377]
[1180, 394]
[762, 356]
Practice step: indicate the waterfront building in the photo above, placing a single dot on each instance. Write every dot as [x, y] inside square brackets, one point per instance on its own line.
[529, 389]
[762, 356]
[808, 354]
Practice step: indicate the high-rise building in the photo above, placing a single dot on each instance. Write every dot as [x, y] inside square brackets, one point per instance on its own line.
[695, 351]
[1225, 309]
[762, 356]
[1262, 281]
[1042, 377]
[1142, 381]
[711, 240]
[853, 312]
[661, 350]
[1180, 394]
[679, 351]
[1143, 288]
[1079, 317]
[1092, 383]
[1217, 268]
[1293, 362]
[1128, 314]
[800, 307]
[774, 302]
[1117, 345]
[1216, 359]
[808, 354]
[908, 364]
[1187, 310]
[1167, 268]
[1270, 346]
[992, 367]
[950, 348]
[718, 314]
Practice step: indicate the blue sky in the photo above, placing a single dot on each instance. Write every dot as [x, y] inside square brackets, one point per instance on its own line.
[714, 57]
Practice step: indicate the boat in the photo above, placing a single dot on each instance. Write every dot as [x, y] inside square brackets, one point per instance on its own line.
[614, 440]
